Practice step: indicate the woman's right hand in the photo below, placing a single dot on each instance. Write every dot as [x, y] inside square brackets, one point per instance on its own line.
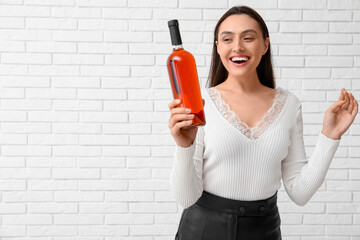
[180, 124]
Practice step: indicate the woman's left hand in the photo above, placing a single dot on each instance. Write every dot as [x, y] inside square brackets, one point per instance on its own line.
[340, 115]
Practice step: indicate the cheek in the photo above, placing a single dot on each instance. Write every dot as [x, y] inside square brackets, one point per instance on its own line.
[220, 52]
[257, 51]
[261, 48]
[218, 48]
[223, 52]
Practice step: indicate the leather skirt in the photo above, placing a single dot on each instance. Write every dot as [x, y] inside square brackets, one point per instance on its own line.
[216, 218]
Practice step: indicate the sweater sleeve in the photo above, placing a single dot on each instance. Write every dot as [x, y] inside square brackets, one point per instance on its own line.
[302, 177]
[186, 173]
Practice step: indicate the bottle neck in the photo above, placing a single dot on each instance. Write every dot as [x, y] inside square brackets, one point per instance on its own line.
[177, 47]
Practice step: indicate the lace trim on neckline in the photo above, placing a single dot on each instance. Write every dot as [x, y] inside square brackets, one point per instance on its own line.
[262, 125]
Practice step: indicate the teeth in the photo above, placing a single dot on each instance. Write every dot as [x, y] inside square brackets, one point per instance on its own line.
[239, 59]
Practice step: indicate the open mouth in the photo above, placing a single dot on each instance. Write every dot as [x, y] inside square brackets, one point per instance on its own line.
[239, 60]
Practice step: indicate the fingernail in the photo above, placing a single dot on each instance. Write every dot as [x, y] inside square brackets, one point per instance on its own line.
[188, 110]
[190, 115]
[178, 101]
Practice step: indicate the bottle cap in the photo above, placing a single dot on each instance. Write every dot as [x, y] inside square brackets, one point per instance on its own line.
[174, 32]
[173, 22]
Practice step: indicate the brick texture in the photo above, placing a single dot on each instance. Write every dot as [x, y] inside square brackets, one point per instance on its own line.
[85, 149]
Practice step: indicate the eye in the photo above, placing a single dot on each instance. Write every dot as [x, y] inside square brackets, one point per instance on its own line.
[227, 39]
[248, 38]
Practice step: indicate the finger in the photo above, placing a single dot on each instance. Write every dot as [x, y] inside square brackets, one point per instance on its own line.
[342, 96]
[176, 129]
[356, 108]
[351, 104]
[337, 105]
[173, 103]
[347, 99]
[178, 111]
[178, 114]
[179, 118]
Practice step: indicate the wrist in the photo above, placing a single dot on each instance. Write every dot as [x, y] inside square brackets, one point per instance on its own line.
[331, 135]
[184, 144]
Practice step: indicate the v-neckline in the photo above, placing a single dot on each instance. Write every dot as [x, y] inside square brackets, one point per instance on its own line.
[252, 133]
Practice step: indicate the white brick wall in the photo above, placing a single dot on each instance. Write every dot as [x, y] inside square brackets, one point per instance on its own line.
[85, 146]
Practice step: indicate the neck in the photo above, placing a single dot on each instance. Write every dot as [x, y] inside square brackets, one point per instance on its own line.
[248, 84]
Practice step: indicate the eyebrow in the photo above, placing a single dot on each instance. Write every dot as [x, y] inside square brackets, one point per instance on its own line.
[243, 32]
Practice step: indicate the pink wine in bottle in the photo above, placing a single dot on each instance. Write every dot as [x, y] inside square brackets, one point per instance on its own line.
[183, 76]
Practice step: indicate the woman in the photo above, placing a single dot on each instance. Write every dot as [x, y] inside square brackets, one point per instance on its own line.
[226, 174]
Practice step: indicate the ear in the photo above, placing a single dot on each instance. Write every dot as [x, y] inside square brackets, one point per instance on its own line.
[267, 42]
[217, 43]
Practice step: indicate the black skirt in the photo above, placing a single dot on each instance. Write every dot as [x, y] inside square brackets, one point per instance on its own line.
[216, 218]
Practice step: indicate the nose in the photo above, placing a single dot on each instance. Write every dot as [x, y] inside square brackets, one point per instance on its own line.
[238, 46]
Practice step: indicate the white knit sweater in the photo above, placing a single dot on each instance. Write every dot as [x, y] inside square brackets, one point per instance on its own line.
[231, 160]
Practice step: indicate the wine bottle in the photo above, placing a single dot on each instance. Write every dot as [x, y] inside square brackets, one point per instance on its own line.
[183, 76]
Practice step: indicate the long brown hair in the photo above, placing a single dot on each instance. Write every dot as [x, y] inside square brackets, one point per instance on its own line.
[218, 72]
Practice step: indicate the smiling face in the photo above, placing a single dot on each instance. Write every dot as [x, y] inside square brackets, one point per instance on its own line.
[240, 45]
